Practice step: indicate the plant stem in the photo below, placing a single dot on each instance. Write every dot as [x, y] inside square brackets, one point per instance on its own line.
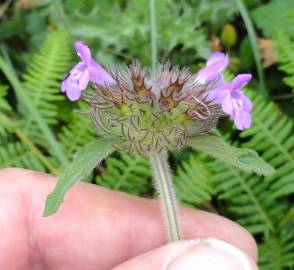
[253, 40]
[282, 97]
[153, 34]
[159, 163]
[164, 185]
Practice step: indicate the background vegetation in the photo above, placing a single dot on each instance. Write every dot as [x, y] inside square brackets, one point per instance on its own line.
[39, 129]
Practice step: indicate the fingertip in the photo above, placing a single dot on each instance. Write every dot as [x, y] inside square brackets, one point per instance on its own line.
[198, 223]
[207, 253]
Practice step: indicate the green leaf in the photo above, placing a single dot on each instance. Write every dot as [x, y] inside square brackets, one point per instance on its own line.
[249, 161]
[265, 20]
[178, 22]
[34, 23]
[245, 159]
[83, 163]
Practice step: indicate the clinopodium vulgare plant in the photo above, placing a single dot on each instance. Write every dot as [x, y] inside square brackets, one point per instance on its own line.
[150, 112]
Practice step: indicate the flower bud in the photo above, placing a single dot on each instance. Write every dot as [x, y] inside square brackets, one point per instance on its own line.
[229, 35]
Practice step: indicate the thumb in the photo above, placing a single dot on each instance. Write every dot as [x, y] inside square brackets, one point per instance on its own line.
[200, 254]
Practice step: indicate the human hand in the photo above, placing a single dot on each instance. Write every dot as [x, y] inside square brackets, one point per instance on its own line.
[100, 229]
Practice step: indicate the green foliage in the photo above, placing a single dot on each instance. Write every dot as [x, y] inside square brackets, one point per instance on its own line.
[247, 198]
[41, 131]
[245, 159]
[78, 132]
[14, 152]
[122, 27]
[4, 105]
[259, 204]
[82, 165]
[278, 251]
[274, 16]
[193, 183]
[38, 98]
[127, 173]
[19, 155]
[252, 36]
[4, 108]
[272, 136]
[285, 51]
[42, 80]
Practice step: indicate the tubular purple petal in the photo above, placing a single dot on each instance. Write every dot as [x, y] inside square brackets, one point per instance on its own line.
[84, 80]
[83, 52]
[84, 72]
[70, 86]
[215, 65]
[234, 102]
[227, 105]
[242, 120]
[240, 81]
[98, 74]
[73, 94]
[218, 58]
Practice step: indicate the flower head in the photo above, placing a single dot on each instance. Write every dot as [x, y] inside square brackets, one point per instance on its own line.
[155, 111]
[81, 74]
[152, 112]
[234, 102]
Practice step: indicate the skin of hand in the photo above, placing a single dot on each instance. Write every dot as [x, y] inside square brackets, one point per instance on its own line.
[99, 229]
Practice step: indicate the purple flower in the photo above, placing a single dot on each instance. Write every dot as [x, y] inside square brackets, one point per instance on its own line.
[215, 65]
[234, 102]
[84, 72]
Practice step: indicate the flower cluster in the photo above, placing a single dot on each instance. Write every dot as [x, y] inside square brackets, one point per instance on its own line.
[157, 110]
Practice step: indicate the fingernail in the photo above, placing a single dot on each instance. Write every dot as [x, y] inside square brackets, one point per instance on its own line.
[211, 253]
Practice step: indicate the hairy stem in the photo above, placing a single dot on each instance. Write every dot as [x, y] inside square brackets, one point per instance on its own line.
[159, 163]
[164, 185]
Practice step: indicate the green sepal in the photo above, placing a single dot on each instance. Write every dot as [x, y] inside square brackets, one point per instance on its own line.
[84, 161]
[245, 159]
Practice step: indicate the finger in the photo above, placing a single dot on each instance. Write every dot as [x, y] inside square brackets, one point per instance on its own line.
[97, 229]
[208, 254]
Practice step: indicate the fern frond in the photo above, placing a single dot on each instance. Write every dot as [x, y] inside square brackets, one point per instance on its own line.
[272, 136]
[4, 108]
[18, 155]
[126, 173]
[78, 132]
[285, 51]
[4, 105]
[42, 79]
[192, 181]
[277, 253]
[20, 142]
[248, 198]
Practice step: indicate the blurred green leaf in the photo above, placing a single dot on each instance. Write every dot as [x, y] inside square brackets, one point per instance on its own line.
[274, 16]
[34, 23]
